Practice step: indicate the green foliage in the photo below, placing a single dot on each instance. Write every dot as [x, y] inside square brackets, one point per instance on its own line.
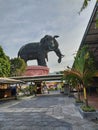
[51, 89]
[30, 89]
[25, 91]
[4, 64]
[87, 108]
[78, 101]
[84, 65]
[17, 66]
[83, 69]
[72, 79]
[85, 4]
[96, 20]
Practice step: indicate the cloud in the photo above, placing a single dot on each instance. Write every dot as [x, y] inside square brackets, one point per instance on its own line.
[28, 21]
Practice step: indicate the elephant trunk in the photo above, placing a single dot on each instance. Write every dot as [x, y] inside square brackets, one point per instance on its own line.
[58, 53]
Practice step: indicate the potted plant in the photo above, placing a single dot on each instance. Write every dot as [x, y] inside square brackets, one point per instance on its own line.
[78, 102]
[82, 72]
[88, 111]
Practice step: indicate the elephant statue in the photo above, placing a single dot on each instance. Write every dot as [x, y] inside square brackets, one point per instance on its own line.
[39, 50]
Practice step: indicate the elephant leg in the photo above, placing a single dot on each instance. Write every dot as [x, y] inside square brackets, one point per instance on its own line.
[24, 58]
[41, 62]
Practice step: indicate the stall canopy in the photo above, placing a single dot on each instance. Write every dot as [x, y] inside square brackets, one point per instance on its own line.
[39, 78]
[9, 81]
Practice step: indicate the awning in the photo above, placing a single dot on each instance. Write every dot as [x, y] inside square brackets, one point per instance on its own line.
[9, 81]
[39, 78]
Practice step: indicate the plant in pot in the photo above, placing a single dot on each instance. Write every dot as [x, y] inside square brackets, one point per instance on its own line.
[83, 71]
[73, 81]
[88, 108]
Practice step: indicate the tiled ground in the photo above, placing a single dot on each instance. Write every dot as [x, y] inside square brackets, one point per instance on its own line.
[48, 112]
[93, 100]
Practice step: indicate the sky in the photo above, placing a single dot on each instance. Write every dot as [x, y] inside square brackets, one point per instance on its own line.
[26, 21]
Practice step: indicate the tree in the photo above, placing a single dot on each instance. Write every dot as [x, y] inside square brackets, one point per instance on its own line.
[73, 81]
[83, 69]
[17, 66]
[4, 64]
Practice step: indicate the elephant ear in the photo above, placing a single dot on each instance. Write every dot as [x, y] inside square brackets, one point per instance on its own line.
[44, 39]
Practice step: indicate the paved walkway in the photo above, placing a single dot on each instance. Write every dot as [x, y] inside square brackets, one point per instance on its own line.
[47, 112]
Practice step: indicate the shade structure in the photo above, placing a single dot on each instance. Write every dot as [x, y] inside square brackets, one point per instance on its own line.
[9, 81]
[52, 77]
[90, 37]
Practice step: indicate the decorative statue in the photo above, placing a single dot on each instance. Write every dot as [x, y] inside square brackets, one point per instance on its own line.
[39, 50]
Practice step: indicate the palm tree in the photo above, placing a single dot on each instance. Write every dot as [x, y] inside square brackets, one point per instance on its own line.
[74, 82]
[83, 69]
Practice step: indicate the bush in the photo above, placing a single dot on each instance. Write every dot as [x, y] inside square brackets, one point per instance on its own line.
[51, 89]
[26, 91]
[78, 101]
[87, 108]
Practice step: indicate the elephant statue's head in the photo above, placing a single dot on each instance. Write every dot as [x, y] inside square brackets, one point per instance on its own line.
[50, 43]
